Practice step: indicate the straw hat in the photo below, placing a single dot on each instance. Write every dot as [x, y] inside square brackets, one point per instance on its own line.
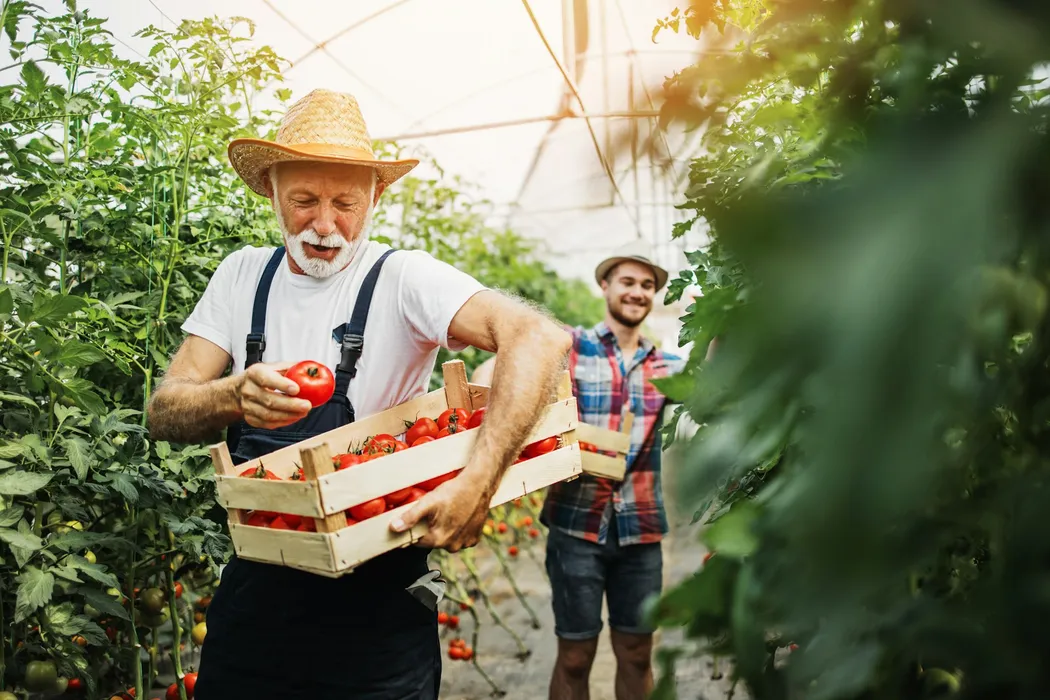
[635, 251]
[323, 126]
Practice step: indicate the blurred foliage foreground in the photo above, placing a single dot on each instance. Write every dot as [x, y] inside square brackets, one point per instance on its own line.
[874, 448]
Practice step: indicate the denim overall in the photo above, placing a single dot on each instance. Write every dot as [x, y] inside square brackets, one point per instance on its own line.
[276, 632]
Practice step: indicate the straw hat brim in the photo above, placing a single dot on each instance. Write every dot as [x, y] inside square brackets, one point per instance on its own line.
[252, 158]
[609, 263]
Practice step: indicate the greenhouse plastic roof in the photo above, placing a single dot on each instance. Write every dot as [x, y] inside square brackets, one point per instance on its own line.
[479, 84]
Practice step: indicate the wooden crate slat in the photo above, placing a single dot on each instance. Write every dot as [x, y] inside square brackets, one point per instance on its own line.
[366, 540]
[363, 482]
[285, 461]
[604, 439]
[223, 463]
[457, 390]
[479, 395]
[298, 497]
[604, 466]
[287, 547]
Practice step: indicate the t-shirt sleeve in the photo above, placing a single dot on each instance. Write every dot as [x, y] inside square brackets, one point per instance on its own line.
[431, 293]
[210, 318]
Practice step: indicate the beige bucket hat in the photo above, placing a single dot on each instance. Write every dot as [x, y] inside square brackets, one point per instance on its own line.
[323, 126]
[635, 251]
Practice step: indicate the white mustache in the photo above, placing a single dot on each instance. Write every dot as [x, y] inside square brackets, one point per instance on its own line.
[331, 241]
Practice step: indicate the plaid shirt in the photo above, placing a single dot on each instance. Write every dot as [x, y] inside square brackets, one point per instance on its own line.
[605, 388]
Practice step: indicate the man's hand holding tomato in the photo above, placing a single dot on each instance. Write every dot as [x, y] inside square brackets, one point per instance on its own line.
[267, 398]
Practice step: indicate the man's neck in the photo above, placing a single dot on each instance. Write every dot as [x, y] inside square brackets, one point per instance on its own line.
[627, 337]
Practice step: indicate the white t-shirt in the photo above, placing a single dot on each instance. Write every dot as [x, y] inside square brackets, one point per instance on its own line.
[414, 302]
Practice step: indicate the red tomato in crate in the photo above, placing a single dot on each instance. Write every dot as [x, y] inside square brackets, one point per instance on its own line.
[347, 459]
[259, 472]
[258, 519]
[417, 493]
[279, 523]
[398, 497]
[453, 416]
[292, 519]
[423, 427]
[541, 447]
[431, 484]
[307, 525]
[316, 382]
[380, 444]
[423, 440]
[475, 418]
[368, 509]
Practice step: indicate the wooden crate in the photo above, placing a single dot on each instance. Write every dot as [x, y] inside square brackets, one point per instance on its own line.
[325, 494]
[606, 465]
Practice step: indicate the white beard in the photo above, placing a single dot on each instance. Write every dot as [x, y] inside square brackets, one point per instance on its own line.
[318, 267]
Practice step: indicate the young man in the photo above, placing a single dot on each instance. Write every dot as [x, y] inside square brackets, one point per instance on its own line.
[377, 318]
[605, 536]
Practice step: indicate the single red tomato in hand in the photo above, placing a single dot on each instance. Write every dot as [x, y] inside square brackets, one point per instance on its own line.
[421, 428]
[368, 509]
[316, 382]
[453, 416]
[475, 418]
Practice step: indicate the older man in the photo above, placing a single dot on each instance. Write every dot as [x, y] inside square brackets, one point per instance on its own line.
[377, 317]
[605, 537]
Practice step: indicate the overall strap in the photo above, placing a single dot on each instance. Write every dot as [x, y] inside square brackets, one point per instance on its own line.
[256, 341]
[354, 338]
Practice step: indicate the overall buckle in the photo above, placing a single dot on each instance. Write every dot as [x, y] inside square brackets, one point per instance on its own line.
[254, 347]
[353, 345]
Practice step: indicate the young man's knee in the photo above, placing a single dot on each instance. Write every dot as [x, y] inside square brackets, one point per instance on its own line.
[635, 650]
[576, 658]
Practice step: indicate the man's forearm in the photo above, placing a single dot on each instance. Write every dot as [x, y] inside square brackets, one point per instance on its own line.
[183, 410]
[526, 374]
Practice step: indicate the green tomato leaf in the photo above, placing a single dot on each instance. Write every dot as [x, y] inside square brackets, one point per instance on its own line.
[22, 556]
[103, 602]
[35, 588]
[732, 535]
[18, 539]
[10, 516]
[77, 354]
[79, 455]
[23, 483]
[48, 310]
[12, 449]
[94, 571]
[34, 78]
[19, 399]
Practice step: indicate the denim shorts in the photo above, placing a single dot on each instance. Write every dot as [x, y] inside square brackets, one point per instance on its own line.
[582, 573]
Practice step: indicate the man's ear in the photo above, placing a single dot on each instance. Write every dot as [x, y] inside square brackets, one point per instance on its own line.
[380, 186]
[268, 184]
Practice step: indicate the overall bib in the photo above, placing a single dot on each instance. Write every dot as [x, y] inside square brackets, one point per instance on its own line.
[276, 632]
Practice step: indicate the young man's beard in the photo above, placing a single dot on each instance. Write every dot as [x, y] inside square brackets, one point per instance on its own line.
[616, 313]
